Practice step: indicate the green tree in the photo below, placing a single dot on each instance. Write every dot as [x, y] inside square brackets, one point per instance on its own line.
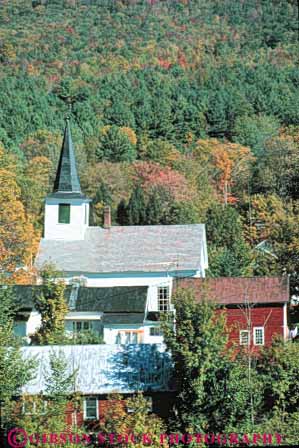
[136, 209]
[115, 146]
[103, 197]
[254, 131]
[158, 205]
[15, 372]
[278, 367]
[201, 363]
[122, 215]
[52, 306]
[49, 412]
[228, 251]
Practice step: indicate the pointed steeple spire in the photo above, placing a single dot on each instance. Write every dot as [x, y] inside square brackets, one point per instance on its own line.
[67, 179]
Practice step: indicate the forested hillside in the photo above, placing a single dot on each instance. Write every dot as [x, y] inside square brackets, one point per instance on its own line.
[182, 111]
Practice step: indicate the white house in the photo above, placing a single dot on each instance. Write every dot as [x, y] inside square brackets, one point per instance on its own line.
[117, 314]
[114, 256]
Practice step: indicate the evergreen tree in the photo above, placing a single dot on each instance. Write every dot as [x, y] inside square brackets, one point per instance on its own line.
[122, 213]
[158, 206]
[102, 198]
[115, 146]
[136, 213]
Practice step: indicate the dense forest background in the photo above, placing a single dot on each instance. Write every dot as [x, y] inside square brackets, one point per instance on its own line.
[182, 111]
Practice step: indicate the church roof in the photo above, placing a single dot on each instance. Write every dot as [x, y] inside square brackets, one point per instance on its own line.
[128, 249]
[67, 183]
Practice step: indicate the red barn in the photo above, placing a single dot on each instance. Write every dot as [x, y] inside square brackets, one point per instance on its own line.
[256, 307]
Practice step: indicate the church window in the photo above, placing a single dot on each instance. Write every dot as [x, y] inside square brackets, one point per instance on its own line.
[64, 214]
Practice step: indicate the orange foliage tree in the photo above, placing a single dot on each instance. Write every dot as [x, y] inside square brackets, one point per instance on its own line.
[231, 161]
[18, 240]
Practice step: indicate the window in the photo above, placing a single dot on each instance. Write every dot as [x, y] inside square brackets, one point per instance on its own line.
[33, 407]
[244, 337]
[20, 328]
[163, 298]
[258, 336]
[91, 409]
[155, 331]
[64, 214]
[129, 337]
[84, 325]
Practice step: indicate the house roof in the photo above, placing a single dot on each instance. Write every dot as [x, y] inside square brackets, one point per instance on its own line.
[125, 299]
[236, 290]
[127, 249]
[120, 305]
[67, 179]
[104, 368]
[24, 295]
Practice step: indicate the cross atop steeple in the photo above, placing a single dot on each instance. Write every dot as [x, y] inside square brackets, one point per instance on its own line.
[67, 179]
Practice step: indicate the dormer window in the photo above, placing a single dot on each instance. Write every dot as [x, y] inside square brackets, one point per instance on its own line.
[64, 214]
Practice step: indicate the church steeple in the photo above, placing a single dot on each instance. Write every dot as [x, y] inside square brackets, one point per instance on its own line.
[66, 208]
[67, 179]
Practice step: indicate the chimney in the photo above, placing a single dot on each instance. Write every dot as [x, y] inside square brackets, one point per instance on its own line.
[107, 217]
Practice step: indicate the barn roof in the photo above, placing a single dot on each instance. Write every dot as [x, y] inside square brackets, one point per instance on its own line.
[238, 290]
[128, 249]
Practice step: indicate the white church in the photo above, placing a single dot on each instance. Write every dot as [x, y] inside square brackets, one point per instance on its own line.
[120, 277]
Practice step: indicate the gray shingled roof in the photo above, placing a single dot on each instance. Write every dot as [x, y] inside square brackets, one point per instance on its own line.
[127, 249]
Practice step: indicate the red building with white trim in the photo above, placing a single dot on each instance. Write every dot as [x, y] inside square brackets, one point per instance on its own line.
[255, 308]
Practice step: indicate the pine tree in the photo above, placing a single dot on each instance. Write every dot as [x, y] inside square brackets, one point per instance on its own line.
[115, 146]
[122, 213]
[136, 208]
[102, 198]
[158, 206]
